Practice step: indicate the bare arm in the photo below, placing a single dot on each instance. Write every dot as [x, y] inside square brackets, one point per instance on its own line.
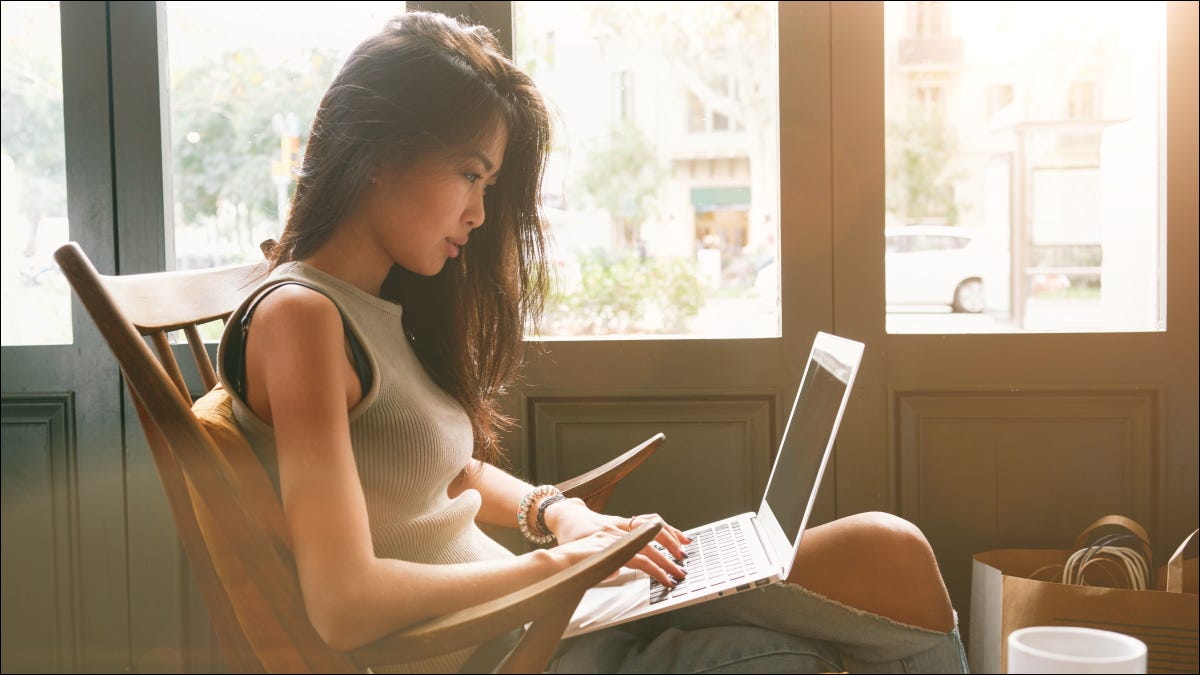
[296, 359]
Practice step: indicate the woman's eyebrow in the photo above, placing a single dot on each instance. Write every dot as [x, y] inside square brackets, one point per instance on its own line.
[475, 154]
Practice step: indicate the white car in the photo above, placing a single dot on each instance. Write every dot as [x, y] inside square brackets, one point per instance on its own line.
[935, 265]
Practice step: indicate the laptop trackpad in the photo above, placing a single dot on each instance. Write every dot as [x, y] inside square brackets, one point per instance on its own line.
[610, 599]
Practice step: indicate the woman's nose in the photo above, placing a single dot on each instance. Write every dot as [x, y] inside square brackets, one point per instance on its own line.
[473, 216]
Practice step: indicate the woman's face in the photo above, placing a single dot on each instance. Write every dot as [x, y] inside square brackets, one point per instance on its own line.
[425, 213]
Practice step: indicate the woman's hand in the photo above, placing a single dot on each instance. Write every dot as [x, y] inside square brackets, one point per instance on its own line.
[572, 521]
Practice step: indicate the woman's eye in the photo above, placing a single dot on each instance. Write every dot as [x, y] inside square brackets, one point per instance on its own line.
[472, 177]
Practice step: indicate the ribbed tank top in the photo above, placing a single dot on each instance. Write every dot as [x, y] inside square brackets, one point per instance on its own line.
[409, 437]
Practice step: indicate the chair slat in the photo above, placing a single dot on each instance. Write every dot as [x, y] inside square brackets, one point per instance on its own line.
[167, 358]
[207, 375]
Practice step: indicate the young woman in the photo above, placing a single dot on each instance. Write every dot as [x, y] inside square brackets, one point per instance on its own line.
[365, 369]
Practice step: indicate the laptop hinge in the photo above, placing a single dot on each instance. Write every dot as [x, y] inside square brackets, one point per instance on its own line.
[766, 546]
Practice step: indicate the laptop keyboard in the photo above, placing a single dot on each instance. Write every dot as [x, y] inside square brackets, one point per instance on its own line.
[717, 554]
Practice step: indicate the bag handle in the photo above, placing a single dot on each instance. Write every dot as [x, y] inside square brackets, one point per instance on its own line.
[1120, 521]
[1175, 565]
[1128, 524]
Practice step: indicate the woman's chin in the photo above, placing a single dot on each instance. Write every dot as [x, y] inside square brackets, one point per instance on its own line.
[428, 269]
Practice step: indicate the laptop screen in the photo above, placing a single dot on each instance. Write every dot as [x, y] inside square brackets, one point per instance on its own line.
[808, 434]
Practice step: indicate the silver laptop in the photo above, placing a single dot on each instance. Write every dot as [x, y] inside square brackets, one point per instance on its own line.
[753, 549]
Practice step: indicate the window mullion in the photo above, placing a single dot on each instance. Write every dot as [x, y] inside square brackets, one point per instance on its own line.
[140, 133]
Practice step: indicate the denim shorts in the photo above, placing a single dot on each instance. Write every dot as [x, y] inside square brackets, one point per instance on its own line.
[781, 628]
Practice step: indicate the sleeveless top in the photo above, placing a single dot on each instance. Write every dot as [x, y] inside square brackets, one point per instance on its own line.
[409, 437]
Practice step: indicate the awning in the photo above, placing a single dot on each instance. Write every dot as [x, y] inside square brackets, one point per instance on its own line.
[709, 199]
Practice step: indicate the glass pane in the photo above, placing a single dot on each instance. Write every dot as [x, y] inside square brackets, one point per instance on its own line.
[662, 186]
[1031, 135]
[246, 78]
[35, 296]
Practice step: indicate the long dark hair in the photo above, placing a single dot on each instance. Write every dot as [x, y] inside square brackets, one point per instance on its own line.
[428, 83]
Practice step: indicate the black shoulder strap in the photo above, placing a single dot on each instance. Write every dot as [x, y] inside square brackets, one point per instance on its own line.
[235, 358]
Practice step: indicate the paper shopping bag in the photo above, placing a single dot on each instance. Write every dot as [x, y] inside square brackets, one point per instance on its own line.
[1005, 598]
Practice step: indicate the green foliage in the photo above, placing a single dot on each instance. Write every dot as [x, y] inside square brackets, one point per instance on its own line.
[223, 140]
[919, 152]
[625, 295]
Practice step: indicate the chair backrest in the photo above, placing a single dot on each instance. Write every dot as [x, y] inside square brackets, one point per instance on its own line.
[228, 517]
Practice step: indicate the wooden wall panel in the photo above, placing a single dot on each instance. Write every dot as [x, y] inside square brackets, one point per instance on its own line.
[39, 534]
[715, 462]
[979, 470]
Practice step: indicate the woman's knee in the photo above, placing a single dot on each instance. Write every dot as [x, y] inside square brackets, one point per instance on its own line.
[871, 547]
[880, 563]
[907, 561]
[876, 532]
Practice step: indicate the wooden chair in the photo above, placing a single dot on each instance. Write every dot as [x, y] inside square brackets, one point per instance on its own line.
[229, 517]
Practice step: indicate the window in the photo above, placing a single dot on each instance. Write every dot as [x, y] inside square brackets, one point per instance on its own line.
[697, 114]
[36, 298]
[930, 98]
[1000, 96]
[1081, 101]
[623, 93]
[930, 19]
[1062, 210]
[711, 113]
[663, 215]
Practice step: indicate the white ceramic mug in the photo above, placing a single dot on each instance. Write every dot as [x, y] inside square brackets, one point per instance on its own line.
[1066, 649]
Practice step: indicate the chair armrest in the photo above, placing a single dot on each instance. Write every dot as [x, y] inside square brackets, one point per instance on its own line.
[595, 486]
[552, 596]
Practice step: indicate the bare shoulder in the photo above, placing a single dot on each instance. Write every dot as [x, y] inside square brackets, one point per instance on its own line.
[297, 318]
[295, 348]
[293, 306]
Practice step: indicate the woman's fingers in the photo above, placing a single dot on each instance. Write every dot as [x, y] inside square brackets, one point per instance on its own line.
[657, 564]
[673, 540]
[680, 536]
[668, 537]
[646, 562]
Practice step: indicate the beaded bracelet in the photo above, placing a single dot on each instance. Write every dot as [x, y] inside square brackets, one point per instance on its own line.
[523, 513]
[541, 516]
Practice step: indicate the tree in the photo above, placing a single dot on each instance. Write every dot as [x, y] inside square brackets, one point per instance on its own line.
[223, 139]
[623, 176]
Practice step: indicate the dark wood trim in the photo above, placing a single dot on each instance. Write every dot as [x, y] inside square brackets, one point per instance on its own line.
[56, 412]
